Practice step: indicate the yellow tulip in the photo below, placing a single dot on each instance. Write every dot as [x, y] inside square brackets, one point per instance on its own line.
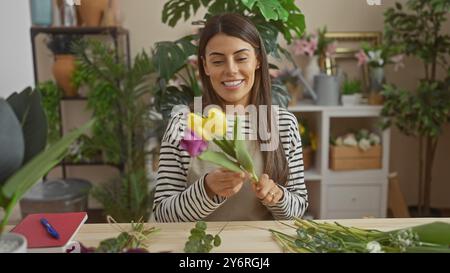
[195, 123]
[215, 125]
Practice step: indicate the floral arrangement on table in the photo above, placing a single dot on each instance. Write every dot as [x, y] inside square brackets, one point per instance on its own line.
[362, 139]
[201, 131]
[315, 44]
[380, 55]
[322, 237]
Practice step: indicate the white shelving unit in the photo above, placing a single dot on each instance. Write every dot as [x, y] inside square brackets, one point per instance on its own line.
[344, 194]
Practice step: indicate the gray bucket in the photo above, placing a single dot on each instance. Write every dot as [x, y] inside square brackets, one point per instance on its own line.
[57, 196]
[327, 89]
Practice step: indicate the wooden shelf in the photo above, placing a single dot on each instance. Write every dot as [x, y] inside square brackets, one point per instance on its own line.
[78, 30]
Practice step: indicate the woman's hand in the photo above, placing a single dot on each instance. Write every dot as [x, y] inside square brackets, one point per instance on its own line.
[224, 182]
[267, 191]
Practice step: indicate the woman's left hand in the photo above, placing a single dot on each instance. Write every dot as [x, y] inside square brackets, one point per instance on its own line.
[267, 191]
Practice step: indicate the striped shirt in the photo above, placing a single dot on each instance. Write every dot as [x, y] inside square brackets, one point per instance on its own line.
[176, 200]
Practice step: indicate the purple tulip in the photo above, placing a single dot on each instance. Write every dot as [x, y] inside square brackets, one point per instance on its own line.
[193, 144]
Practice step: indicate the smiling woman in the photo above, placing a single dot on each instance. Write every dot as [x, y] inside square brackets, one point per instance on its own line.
[230, 65]
[234, 71]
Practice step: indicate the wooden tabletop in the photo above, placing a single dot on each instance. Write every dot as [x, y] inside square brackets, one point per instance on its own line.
[242, 237]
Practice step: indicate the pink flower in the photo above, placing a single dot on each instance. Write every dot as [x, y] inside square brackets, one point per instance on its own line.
[193, 144]
[362, 57]
[305, 47]
[193, 61]
[398, 61]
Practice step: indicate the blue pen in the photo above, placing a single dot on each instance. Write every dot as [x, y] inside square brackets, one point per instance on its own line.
[52, 231]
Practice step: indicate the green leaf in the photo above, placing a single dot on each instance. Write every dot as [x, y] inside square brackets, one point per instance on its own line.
[28, 108]
[434, 233]
[220, 159]
[37, 167]
[217, 241]
[249, 3]
[12, 146]
[175, 9]
[226, 146]
[200, 225]
[242, 154]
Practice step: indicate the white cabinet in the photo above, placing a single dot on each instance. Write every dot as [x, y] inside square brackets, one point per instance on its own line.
[344, 194]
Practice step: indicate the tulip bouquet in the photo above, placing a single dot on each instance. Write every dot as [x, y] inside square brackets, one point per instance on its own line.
[201, 131]
[312, 236]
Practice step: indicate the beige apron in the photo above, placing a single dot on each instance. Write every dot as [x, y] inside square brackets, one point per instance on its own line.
[243, 206]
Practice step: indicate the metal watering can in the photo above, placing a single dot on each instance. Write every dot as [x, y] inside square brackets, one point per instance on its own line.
[326, 88]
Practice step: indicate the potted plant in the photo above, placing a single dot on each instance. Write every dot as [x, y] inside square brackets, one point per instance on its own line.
[24, 155]
[424, 112]
[351, 92]
[120, 99]
[317, 47]
[64, 64]
[377, 57]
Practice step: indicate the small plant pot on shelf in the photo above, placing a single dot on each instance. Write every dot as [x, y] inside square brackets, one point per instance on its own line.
[63, 69]
[349, 100]
[344, 158]
[13, 243]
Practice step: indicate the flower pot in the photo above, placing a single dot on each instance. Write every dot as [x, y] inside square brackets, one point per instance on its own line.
[13, 243]
[377, 81]
[327, 89]
[348, 100]
[92, 12]
[41, 12]
[63, 69]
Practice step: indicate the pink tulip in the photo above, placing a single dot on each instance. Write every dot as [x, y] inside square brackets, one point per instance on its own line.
[193, 144]
[362, 57]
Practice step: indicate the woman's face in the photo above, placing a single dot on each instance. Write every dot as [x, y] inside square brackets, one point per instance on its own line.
[230, 64]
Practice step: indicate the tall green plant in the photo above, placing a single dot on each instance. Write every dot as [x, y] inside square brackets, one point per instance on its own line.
[119, 97]
[424, 112]
[24, 156]
[51, 99]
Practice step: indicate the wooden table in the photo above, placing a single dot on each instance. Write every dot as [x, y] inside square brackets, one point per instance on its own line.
[243, 237]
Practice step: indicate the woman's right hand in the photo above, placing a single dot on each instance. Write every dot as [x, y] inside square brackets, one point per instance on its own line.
[224, 182]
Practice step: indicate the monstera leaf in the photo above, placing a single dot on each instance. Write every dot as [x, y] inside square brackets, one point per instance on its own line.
[169, 57]
[29, 111]
[12, 145]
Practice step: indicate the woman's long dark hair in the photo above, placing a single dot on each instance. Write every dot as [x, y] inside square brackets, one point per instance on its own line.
[275, 163]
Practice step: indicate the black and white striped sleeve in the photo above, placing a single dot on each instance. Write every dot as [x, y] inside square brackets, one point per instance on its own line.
[174, 200]
[295, 199]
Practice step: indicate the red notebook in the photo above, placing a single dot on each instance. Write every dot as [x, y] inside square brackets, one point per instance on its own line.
[39, 240]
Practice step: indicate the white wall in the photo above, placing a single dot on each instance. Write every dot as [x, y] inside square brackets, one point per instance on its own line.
[16, 66]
